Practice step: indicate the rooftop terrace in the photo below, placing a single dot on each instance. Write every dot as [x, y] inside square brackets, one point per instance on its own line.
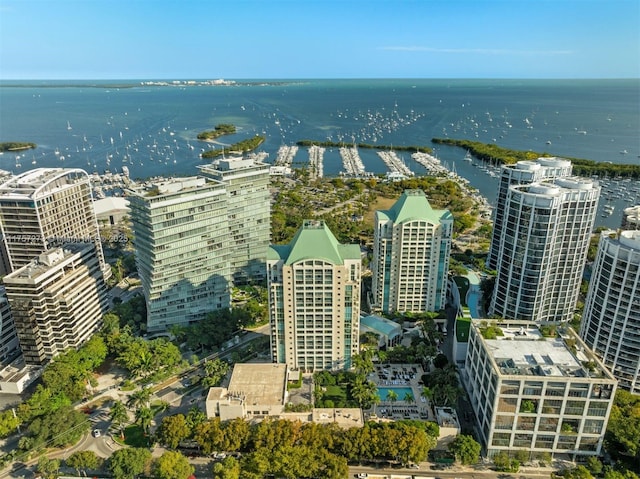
[522, 349]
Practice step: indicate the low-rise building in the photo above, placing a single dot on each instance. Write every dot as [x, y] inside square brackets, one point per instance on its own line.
[257, 391]
[254, 391]
[537, 393]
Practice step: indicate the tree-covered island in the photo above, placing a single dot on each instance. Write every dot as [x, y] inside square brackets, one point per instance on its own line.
[218, 131]
[249, 144]
[581, 167]
[16, 146]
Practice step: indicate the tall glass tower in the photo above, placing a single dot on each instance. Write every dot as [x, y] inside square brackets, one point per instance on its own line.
[611, 319]
[181, 238]
[542, 249]
[521, 173]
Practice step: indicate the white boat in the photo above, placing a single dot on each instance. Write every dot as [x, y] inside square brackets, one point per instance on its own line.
[68, 126]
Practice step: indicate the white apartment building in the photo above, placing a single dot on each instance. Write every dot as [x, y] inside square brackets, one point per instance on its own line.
[314, 300]
[611, 318]
[411, 249]
[542, 249]
[247, 183]
[182, 244]
[45, 208]
[57, 301]
[521, 173]
[535, 393]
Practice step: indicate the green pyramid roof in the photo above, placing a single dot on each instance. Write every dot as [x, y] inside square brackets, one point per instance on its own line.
[413, 205]
[314, 240]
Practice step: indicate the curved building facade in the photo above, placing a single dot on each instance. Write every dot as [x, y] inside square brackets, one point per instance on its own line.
[521, 173]
[542, 249]
[611, 319]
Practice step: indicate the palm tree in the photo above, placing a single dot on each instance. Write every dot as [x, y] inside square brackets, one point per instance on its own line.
[144, 416]
[362, 363]
[408, 398]
[392, 397]
[119, 416]
[365, 393]
[138, 398]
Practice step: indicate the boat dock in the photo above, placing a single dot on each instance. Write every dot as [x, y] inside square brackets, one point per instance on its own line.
[285, 155]
[351, 162]
[316, 157]
[431, 163]
[394, 163]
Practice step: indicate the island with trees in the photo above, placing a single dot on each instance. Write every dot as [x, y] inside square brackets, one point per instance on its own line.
[16, 146]
[218, 131]
[249, 144]
[581, 167]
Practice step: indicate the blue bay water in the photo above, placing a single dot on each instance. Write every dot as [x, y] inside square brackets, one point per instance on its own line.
[152, 129]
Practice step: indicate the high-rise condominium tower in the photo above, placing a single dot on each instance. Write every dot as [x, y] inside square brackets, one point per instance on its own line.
[314, 300]
[521, 173]
[611, 319]
[40, 210]
[57, 300]
[182, 242]
[248, 214]
[542, 249]
[411, 247]
[44, 208]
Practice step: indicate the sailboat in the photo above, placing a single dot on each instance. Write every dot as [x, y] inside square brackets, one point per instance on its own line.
[68, 125]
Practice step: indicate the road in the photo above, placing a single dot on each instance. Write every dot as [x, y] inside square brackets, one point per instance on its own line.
[456, 472]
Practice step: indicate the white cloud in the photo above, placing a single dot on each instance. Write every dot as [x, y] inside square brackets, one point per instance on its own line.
[479, 51]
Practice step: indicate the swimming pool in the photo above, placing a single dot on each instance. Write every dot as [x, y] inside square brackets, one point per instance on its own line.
[400, 392]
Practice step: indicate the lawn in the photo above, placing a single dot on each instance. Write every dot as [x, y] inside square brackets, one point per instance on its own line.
[133, 436]
[337, 394]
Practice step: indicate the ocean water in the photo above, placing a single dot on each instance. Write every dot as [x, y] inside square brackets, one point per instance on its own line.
[152, 130]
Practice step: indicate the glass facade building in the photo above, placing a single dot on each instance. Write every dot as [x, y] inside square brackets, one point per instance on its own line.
[520, 173]
[542, 249]
[181, 238]
[611, 318]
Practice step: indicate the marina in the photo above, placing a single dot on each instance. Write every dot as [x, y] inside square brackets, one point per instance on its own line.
[316, 158]
[351, 163]
[396, 166]
[152, 129]
[285, 155]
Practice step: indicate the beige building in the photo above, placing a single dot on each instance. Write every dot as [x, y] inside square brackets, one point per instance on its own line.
[411, 248]
[314, 300]
[255, 391]
[57, 301]
[258, 391]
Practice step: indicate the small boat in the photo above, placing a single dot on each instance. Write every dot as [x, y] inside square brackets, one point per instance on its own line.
[68, 126]
[467, 157]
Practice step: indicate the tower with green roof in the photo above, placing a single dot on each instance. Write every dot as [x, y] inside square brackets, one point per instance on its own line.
[411, 247]
[314, 300]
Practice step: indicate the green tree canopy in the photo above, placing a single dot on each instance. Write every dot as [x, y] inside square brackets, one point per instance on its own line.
[172, 465]
[466, 449]
[129, 462]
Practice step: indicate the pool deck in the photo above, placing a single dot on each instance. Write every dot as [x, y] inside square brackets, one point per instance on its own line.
[401, 376]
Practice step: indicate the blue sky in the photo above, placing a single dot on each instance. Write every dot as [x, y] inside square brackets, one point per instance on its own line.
[244, 39]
